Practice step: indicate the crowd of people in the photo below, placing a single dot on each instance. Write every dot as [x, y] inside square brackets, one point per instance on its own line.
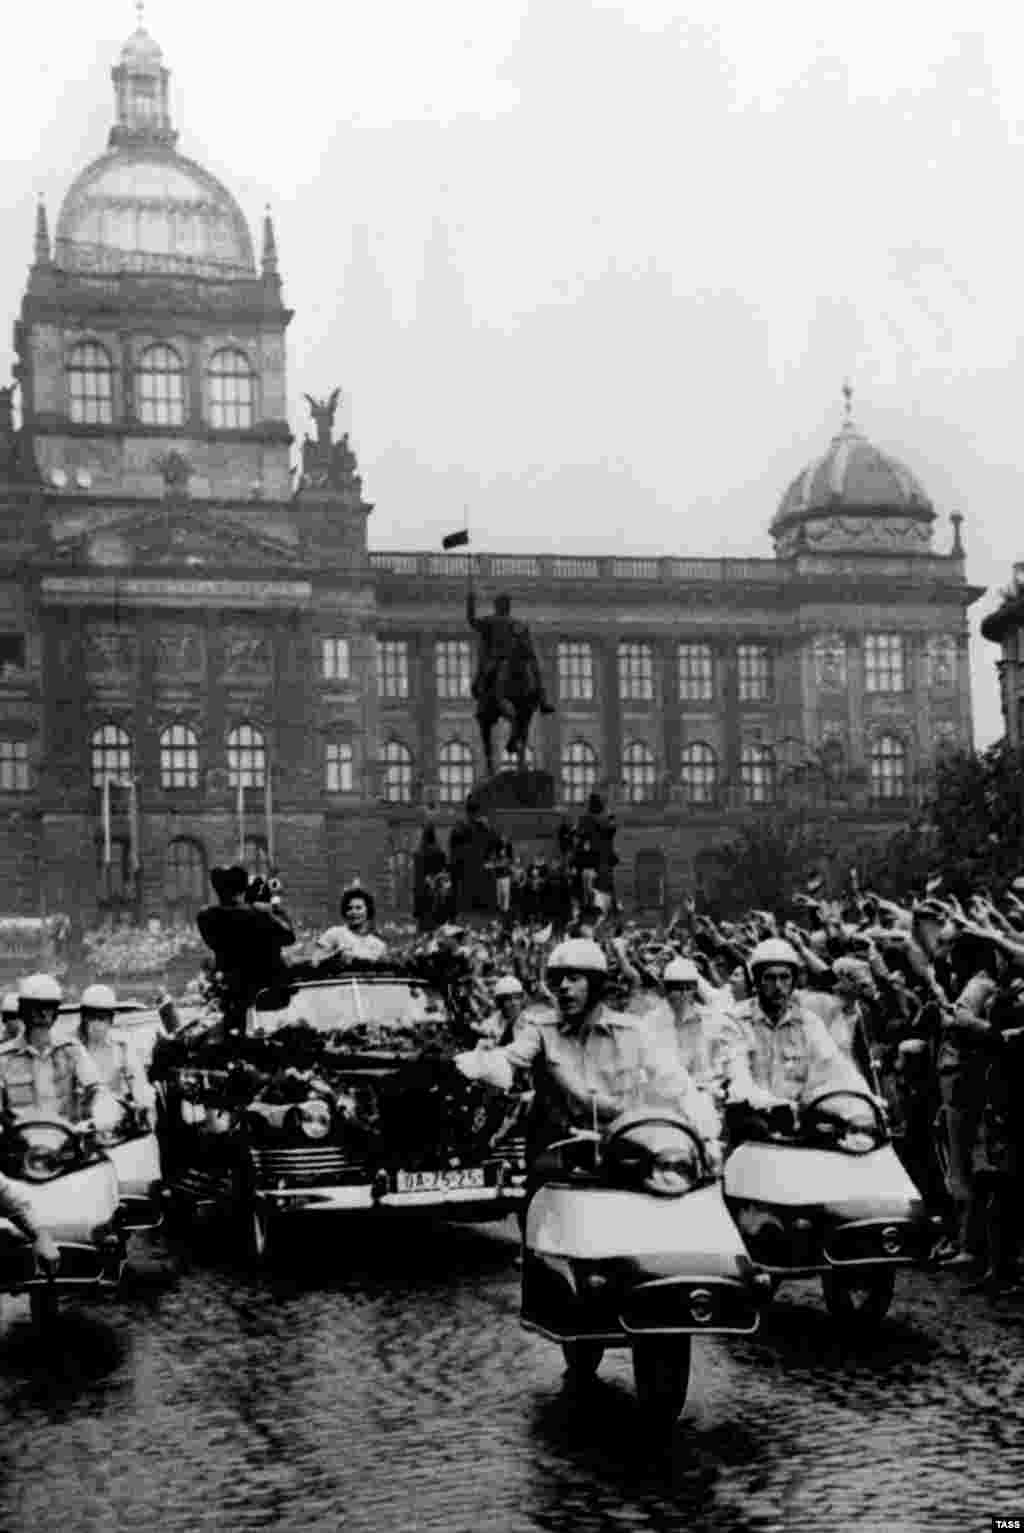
[920, 1004]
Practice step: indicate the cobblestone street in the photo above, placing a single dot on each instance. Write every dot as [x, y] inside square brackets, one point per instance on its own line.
[383, 1385]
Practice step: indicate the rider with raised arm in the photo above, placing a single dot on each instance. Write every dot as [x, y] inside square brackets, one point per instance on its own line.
[589, 1063]
[503, 642]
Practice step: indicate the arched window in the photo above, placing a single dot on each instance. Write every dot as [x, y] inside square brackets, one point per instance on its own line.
[699, 773]
[247, 757]
[397, 760]
[579, 772]
[338, 766]
[160, 387]
[231, 390]
[638, 770]
[757, 774]
[888, 768]
[179, 757]
[184, 876]
[110, 751]
[455, 772]
[90, 384]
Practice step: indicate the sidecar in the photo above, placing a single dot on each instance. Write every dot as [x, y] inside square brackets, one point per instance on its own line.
[823, 1193]
[627, 1244]
[71, 1187]
[133, 1150]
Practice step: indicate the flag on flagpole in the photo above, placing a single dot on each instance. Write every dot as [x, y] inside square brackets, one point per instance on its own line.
[106, 820]
[458, 539]
[268, 815]
[241, 818]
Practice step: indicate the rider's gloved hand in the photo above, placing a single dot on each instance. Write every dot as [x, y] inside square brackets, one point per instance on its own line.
[46, 1251]
[468, 1064]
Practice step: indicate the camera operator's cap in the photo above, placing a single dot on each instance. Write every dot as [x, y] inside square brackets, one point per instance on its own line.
[228, 881]
[98, 998]
[507, 985]
[9, 1004]
[41, 988]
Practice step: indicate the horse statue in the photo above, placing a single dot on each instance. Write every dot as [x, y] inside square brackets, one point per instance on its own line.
[508, 683]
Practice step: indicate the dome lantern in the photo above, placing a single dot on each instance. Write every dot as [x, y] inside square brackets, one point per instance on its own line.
[140, 87]
[856, 498]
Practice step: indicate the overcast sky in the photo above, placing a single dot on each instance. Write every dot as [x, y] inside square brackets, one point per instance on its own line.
[598, 270]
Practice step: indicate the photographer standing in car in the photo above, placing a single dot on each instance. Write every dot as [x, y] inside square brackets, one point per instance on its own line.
[246, 939]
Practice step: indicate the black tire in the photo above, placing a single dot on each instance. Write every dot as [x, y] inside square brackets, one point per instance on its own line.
[582, 1360]
[859, 1298]
[44, 1307]
[661, 1373]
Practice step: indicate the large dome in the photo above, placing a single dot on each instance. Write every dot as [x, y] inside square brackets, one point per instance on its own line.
[149, 208]
[854, 496]
[142, 206]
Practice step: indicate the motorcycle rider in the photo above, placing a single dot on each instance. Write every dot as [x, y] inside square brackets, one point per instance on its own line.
[500, 1026]
[10, 1022]
[590, 1063]
[14, 1209]
[119, 1070]
[781, 1051]
[695, 1032]
[37, 1074]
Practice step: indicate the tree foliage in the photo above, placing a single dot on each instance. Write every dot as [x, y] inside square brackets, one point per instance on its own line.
[766, 862]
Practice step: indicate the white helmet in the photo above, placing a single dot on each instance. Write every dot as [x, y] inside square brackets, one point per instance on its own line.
[581, 954]
[507, 985]
[9, 1004]
[98, 998]
[681, 971]
[773, 950]
[40, 987]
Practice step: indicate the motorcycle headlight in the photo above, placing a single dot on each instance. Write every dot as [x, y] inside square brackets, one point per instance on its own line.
[312, 1119]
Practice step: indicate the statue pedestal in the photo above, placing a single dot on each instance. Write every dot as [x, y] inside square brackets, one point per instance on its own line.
[516, 791]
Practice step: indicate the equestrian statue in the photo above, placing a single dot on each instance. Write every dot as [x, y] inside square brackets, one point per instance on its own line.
[508, 683]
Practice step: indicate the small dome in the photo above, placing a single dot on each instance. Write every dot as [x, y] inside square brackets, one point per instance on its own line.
[142, 52]
[854, 495]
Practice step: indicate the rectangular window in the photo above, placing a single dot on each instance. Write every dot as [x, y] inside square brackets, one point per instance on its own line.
[12, 654]
[636, 673]
[14, 766]
[755, 675]
[392, 668]
[575, 672]
[884, 669]
[339, 766]
[453, 668]
[696, 677]
[335, 659]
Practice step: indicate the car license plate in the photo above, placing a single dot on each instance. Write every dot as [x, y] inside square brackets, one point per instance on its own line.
[438, 1181]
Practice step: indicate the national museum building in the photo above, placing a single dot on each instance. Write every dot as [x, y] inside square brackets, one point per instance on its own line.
[199, 654]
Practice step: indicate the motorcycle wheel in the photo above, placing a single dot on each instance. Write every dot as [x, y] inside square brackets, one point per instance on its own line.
[858, 1298]
[582, 1359]
[43, 1306]
[661, 1373]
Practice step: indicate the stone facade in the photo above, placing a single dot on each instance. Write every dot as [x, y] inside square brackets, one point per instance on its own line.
[180, 616]
[1005, 627]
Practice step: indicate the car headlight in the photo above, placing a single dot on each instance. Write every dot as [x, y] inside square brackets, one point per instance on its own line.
[312, 1119]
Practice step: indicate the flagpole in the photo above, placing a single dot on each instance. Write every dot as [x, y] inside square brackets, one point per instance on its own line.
[106, 820]
[268, 814]
[133, 826]
[241, 816]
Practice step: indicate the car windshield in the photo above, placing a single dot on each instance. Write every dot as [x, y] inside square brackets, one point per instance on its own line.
[380, 1006]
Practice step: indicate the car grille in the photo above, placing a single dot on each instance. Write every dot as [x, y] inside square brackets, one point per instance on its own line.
[307, 1164]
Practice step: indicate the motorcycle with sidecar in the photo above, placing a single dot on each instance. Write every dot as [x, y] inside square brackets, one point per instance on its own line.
[819, 1191]
[70, 1184]
[627, 1244]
